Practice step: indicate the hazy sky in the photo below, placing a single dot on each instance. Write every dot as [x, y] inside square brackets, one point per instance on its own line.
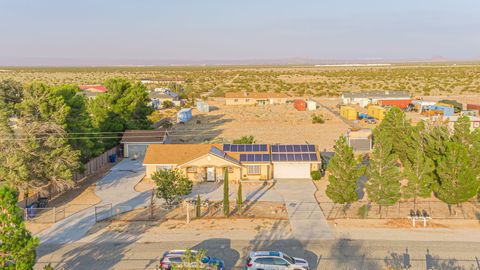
[47, 31]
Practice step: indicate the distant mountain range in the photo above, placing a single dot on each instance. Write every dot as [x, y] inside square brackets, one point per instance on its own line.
[45, 61]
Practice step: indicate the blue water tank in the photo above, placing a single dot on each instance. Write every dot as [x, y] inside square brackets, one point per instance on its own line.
[184, 115]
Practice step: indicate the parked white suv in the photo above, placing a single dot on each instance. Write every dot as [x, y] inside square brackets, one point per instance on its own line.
[274, 260]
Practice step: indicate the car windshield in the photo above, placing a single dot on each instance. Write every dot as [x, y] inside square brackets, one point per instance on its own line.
[206, 259]
[289, 259]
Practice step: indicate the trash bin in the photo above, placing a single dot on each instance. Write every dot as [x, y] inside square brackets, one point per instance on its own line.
[114, 158]
[31, 209]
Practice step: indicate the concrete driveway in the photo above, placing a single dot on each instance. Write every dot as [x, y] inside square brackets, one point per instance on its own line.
[116, 188]
[306, 217]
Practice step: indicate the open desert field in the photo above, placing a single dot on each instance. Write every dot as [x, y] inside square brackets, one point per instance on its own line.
[418, 78]
[268, 124]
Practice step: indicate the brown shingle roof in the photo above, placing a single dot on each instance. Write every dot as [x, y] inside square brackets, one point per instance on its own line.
[255, 95]
[175, 153]
[144, 136]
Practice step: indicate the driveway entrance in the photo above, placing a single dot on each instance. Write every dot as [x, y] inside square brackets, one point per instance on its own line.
[304, 213]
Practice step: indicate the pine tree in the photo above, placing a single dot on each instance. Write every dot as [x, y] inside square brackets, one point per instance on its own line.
[457, 180]
[198, 209]
[17, 246]
[418, 168]
[344, 171]
[239, 197]
[462, 132]
[226, 202]
[397, 128]
[383, 184]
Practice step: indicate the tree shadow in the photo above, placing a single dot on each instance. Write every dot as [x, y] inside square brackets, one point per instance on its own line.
[397, 261]
[347, 254]
[103, 251]
[220, 248]
[436, 263]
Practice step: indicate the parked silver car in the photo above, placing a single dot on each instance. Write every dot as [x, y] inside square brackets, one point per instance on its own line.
[274, 260]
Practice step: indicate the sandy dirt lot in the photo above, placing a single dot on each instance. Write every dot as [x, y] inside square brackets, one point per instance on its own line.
[403, 224]
[269, 124]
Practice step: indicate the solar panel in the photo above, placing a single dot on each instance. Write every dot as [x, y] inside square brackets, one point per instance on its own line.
[282, 149]
[248, 148]
[258, 157]
[243, 157]
[266, 157]
[304, 148]
[226, 147]
[298, 157]
[274, 148]
[305, 157]
[289, 148]
[263, 147]
[313, 157]
[297, 148]
[256, 148]
[275, 157]
[283, 157]
[311, 148]
[241, 148]
[233, 148]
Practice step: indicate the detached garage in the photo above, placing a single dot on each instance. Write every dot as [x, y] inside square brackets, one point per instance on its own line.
[135, 141]
[294, 161]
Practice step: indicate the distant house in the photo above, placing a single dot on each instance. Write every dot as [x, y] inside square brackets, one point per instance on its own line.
[135, 141]
[360, 140]
[161, 80]
[261, 98]
[91, 91]
[365, 98]
[208, 162]
[450, 120]
[166, 91]
[158, 98]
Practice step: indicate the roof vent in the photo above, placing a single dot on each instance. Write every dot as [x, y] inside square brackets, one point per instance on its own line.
[387, 92]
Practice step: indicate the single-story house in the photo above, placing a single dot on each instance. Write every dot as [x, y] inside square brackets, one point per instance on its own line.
[207, 162]
[161, 80]
[261, 98]
[360, 140]
[450, 120]
[91, 91]
[368, 97]
[135, 141]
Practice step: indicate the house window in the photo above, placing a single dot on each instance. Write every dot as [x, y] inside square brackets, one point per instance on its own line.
[247, 100]
[163, 167]
[230, 169]
[253, 169]
[192, 169]
[235, 100]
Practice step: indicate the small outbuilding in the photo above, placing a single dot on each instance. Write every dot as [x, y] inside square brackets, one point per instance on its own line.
[135, 141]
[360, 140]
[300, 105]
[184, 115]
[311, 105]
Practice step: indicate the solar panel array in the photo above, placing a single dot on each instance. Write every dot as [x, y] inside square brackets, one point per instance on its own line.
[245, 147]
[295, 157]
[254, 157]
[293, 148]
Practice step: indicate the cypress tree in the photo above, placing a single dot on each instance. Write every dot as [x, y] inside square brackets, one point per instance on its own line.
[226, 202]
[198, 209]
[383, 184]
[344, 171]
[239, 197]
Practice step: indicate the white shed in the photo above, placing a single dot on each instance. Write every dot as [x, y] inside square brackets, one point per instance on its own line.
[311, 105]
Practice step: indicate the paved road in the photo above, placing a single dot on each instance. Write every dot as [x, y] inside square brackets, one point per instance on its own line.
[116, 188]
[304, 213]
[331, 254]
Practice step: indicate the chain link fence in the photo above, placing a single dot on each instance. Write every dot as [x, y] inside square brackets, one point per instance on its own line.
[52, 214]
[433, 209]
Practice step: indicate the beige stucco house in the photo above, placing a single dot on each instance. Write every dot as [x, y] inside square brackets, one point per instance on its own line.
[261, 98]
[208, 162]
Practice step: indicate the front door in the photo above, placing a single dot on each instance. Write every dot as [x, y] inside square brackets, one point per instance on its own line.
[210, 174]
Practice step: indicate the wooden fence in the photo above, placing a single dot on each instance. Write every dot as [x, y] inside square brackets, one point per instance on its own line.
[91, 167]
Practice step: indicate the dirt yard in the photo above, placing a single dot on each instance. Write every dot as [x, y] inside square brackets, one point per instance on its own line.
[268, 124]
[403, 224]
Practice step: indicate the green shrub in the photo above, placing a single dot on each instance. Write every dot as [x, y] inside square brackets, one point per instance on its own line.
[362, 212]
[316, 175]
[317, 119]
